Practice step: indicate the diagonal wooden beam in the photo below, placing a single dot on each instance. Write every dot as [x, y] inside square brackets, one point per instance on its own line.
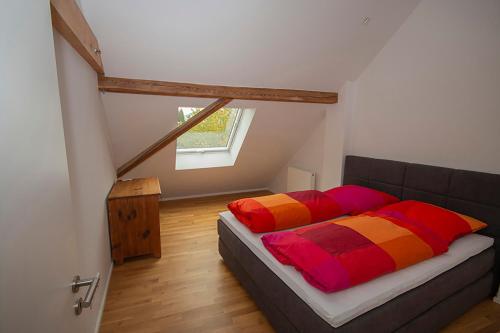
[147, 87]
[172, 135]
[68, 19]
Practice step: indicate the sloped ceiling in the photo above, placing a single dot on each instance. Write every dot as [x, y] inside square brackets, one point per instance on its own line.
[276, 130]
[302, 44]
[307, 44]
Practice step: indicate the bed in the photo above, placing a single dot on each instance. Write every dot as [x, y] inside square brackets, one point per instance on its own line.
[423, 297]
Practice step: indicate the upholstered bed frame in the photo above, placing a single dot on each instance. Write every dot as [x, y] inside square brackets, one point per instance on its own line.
[426, 308]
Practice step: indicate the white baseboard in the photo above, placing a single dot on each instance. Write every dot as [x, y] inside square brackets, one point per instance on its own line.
[214, 194]
[103, 300]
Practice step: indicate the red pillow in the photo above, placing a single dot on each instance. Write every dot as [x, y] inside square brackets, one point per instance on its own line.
[284, 210]
[446, 224]
[354, 199]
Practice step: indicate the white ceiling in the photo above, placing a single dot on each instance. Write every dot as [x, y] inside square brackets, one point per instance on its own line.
[308, 44]
[302, 44]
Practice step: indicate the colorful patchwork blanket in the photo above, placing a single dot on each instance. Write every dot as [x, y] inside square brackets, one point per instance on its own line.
[339, 254]
[285, 210]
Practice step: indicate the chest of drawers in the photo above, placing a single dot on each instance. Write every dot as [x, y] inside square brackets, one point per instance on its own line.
[134, 218]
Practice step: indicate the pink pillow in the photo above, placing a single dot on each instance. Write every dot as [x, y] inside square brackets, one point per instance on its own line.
[354, 199]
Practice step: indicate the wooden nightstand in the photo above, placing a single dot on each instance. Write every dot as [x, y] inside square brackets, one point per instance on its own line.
[134, 218]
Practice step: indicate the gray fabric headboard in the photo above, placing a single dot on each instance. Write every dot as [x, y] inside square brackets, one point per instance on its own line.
[472, 193]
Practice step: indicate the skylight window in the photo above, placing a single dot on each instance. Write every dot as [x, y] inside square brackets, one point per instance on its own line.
[216, 133]
[215, 142]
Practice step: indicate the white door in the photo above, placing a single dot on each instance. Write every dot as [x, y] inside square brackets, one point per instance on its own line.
[37, 239]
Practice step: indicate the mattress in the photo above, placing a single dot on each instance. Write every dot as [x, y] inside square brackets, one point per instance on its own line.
[340, 307]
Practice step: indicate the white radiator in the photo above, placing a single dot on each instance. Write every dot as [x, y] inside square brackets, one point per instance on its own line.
[300, 180]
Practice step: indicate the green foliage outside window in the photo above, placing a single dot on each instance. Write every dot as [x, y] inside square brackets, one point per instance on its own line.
[213, 132]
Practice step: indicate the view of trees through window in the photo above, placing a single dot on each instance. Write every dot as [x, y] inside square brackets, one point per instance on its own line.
[213, 132]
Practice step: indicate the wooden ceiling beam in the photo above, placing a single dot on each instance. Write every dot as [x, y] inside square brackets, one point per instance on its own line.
[172, 135]
[68, 19]
[148, 87]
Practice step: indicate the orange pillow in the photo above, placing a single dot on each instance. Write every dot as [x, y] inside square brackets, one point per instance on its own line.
[284, 210]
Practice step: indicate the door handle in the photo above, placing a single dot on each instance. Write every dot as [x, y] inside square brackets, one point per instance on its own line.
[86, 302]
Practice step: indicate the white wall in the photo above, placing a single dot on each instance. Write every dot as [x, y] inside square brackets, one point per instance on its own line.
[56, 173]
[275, 133]
[37, 251]
[336, 137]
[91, 169]
[309, 157]
[431, 94]
[323, 152]
[313, 45]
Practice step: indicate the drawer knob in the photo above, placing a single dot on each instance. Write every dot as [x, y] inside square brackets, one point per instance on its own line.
[146, 233]
[132, 215]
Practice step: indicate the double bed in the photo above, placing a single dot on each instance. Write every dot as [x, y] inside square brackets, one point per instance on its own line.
[423, 297]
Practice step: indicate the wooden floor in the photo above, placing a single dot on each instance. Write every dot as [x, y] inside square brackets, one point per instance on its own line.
[190, 290]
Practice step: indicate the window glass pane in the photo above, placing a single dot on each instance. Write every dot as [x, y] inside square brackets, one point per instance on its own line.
[213, 132]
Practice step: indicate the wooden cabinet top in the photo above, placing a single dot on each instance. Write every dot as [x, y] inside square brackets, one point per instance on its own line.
[135, 187]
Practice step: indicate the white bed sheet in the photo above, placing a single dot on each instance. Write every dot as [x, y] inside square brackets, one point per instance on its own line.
[340, 307]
